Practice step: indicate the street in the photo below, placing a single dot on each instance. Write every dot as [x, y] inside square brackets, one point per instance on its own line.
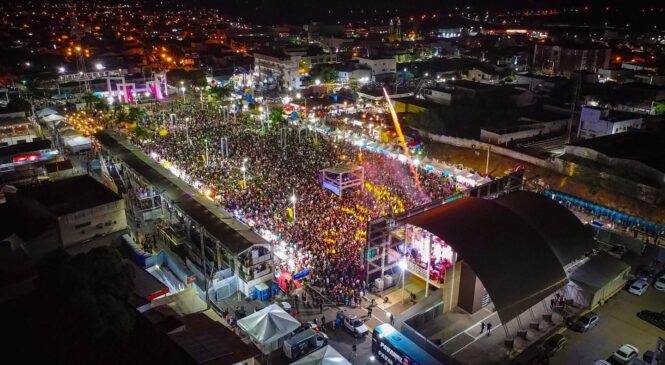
[619, 325]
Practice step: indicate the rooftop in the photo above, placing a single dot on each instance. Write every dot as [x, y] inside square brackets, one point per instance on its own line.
[643, 147]
[70, 195]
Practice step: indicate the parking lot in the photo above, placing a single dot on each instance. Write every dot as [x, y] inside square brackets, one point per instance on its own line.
[619, 325]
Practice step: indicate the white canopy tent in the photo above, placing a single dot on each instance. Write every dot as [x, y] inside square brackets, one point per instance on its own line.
[53, 118]
[46, 112]
[325, 356]
[268, 327]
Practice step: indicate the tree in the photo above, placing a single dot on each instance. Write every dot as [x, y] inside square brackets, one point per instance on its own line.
[277, 116]
[323, 72]
[135, 115]
[140, 133]
[219, 93]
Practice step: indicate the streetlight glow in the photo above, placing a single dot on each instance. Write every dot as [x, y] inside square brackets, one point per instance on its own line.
[99, 66]
[317, 82]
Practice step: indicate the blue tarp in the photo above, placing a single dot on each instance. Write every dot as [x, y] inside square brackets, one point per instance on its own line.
[611, 214]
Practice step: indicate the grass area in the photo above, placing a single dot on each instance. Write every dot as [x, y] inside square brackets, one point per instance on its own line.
[499, 165]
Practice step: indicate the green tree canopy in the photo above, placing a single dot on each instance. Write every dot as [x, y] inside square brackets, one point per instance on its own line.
[323, 72]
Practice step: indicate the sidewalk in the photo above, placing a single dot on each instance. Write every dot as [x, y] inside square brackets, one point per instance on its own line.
[462, 336]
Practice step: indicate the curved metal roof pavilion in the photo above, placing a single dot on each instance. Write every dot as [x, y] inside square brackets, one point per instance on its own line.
[516, 257]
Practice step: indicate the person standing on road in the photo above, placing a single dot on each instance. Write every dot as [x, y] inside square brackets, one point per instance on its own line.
[369, 312]
[482, 327]
[321, 307]
[392, 319]
[489, 328]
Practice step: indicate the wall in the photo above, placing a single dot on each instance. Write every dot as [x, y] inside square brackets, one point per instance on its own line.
[627, 187]
[98, 221]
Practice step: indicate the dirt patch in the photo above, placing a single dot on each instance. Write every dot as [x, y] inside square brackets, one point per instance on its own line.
[500, 165]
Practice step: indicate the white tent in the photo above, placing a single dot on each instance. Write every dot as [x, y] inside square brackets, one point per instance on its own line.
[53, 118]
[268, 327]
[78, 143]
[46, 112]
[325, 356]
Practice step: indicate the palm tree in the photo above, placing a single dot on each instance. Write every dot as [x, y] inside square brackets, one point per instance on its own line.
[140, 133]
[135, 115]
[89, 99]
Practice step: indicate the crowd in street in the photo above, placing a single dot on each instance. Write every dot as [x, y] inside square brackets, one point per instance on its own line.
[266, 167]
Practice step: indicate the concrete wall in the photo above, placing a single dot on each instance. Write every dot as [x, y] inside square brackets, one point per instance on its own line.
[86, 224]
[627, 187]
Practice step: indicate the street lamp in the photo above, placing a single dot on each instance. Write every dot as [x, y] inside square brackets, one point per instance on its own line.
[61, 70]
[293, 200]
[403, 265]
[99, 66]
[317, 82]
[244, 177]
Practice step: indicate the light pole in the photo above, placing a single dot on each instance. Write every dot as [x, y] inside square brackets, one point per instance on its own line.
[244, 177]
[187, 129]
[403, 265]
[293, 200]
[205, 140]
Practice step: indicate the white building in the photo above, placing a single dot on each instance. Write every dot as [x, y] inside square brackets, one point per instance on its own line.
[596, 122]
[284, 69]
[65, 212]
[346, 73]
[379, 66]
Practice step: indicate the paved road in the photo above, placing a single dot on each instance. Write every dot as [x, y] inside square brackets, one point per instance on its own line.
[619, 325]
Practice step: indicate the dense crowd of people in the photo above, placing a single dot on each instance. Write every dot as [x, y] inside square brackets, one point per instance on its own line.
[280, 162]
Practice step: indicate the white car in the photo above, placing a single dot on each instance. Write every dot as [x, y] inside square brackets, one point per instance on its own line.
[638, 287]
[625, 354]
[659, 284]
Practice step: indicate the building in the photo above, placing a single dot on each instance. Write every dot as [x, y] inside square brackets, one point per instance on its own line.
[17, 130]
[379, 65]
[284, 68]
[351, 71]
[531, 126]
[596, 122]
[64, 213]
[563, 59]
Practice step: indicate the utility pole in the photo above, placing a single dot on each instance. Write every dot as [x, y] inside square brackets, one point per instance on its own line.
[78, 46]
[572, 109]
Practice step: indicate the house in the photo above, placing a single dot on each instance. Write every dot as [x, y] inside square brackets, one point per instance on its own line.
[353, 71]
[378, 65]
[64, 213]
[596, 122]
[562, 59]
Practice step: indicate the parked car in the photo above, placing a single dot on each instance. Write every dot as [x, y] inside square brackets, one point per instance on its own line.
[304, 343]
[648, 357]
[618, 251]
[585, 322]
[555, 343]
[646, 273]
[638, 287]
[625, 354]
[353, 324]
[659, 284]
[655, 318]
